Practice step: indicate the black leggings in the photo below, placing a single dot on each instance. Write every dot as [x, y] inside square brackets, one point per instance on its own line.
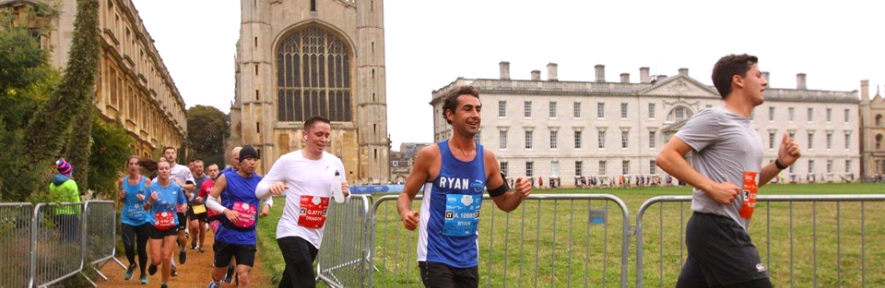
[758, 283]
[136, 234]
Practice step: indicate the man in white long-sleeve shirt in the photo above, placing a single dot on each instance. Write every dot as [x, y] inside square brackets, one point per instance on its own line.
[306, 177]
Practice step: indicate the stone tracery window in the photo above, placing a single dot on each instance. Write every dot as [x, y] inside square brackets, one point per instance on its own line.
[679, 113]
[313, 76]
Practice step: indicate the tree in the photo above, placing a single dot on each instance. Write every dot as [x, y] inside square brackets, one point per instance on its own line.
[110, 151]
[207, 128]
[51, 126]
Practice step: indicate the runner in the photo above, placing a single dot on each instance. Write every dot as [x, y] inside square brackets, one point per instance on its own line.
[454, 173]
[236, 237]
[136, 226]
[196, 209]
[726, 151]
[181, 176]
[306, 177]
[166, 199]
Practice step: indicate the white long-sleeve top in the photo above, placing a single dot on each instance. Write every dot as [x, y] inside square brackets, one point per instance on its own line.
[308, 180]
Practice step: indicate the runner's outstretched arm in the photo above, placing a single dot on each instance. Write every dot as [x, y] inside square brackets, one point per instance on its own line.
[276, 174]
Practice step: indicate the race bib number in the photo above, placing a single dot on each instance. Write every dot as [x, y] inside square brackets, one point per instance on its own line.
[247, 214]
[165, 220]
[199, 209]
[748, 194]
[462, 215]
[313, 211]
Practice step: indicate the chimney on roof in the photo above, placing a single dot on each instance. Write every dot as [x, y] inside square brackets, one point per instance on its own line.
[644, 76]
[505, 70]
[625, 77]
[660, 78]
[536, 75]
[864, 90]
[551, 72]
[683, 72]
[600, 73]
[800, 81]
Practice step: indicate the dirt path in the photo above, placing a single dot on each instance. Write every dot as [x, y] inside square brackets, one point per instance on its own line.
[194, 273]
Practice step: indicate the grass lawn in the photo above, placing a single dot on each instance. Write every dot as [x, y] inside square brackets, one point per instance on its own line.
[551, 243]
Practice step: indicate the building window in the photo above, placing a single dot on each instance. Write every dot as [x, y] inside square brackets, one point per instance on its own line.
[553, 136]
[792, 169]
[476, 138]
[771, 139]
[847, 141]
[529, 169]
[579, 168]
[313, 5]
[528, 139]
[810, 114]
[829, 140]
[679, 114]
[552, 109]
[623, 110]
[600, 110]
[504, 169]
[624, 138]
[554, 169]
[771, 113]
[829, 115]
[601, 140]
[602, 167]
[847, 115]
[576, 110]
[879, 142]
[625, 167]
[652, 167]
[577, 139]
[848, 166]
[790, 112]
[810, 166]
[502, 139]
[651, 110]
[878, 120]
[829, 166]
[810, 140]
[651, 139]
[502, 108]
[527, 109]
[313, 76]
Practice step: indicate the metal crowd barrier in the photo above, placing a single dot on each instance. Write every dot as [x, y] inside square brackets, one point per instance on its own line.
[57, 243]
[525, 247]
[15, 243]
[101, 235]
[823, 236]
[343, 259]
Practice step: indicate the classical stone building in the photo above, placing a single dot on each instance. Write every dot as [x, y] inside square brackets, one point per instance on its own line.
[872, 131]
[568, 129]
[401, 161]
[300, 58]
[132, 84]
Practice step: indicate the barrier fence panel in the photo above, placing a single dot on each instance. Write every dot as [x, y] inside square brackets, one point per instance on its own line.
[343, 259]
[57, 242]
[101, 234]
[803, 240]
[551, 240]
[15, 243]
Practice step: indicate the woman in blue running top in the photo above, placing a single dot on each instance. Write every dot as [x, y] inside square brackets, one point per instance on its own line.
[136, 225]
[166, 199]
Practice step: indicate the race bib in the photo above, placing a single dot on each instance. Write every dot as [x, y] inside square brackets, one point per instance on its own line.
[165, 220]
[748, 194]
[462, 214]
[199, 209]
[247, 214]
[313, 211]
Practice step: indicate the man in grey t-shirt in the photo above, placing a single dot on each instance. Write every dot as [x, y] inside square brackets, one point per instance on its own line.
[726, 171]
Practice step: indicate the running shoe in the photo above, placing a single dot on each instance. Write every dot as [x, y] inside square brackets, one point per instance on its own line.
[129, 271]
[152, 269]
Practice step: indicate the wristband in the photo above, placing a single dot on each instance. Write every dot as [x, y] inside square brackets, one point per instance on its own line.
[777, 163]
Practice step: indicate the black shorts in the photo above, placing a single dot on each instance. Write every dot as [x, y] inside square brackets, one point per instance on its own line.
[190, 213]
[182, 221]
[299, 256]
[160, 234]
[438, 275]
[720, 252]
[245, 254]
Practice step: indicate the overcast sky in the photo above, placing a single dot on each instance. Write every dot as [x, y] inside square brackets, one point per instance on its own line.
[431, 43]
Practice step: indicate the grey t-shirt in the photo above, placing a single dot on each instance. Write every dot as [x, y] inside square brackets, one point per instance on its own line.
[725, 147]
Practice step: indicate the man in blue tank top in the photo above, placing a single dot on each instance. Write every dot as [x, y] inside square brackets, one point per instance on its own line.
[236, 237]
[454, 174]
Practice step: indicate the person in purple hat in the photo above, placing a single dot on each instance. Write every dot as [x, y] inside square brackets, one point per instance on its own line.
[63, 188]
